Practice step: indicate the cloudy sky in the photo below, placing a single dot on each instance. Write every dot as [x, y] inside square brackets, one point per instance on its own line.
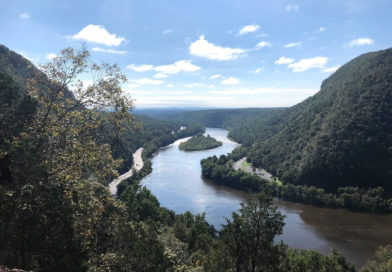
[205, 53]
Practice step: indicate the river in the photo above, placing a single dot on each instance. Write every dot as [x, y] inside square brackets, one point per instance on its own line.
[176, 182]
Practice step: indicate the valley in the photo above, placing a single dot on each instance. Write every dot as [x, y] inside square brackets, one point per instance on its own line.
[86, 184]
[177, 183]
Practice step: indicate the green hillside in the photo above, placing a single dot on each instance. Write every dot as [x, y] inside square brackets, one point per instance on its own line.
[341, 136]
[222, 118]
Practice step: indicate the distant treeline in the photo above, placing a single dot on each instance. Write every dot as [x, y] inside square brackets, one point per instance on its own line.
[220, 171]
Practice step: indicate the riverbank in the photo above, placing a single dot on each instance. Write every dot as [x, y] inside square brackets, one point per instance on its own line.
[137, 165]
[253, 180]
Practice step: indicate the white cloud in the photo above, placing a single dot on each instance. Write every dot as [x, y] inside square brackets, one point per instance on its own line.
[25, 15]
[263, 44]
[140, 68]
[230, 97]
[168, 31]
[290, 8]
[262, 35]
[284, 60]
[203, 48]
[98, 34]
[230, 81]
[258, 91]
[306, 64]
[215, 76]
[160, 75]
[111, 51]
[248, 29]
[51, 56]
[321, 29]
[193, 85]
[163, 71]
[177, 67]
[331, 69]
[361, 41]
[294, 44]
[258, 70]
[144, 81]
[170, 85]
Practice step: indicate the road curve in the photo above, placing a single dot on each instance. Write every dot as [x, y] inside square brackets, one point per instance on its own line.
[137, 165]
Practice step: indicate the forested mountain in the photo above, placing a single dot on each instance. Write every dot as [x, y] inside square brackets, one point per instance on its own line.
[341, 136]
[223, 118]
[19, 69]
[15, 105]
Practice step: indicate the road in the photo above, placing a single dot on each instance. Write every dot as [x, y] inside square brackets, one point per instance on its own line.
[252, 170]
[137, 165]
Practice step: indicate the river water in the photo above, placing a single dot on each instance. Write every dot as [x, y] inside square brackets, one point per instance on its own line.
[177, 183]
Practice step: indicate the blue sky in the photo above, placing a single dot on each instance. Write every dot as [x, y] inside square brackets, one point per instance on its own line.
[205, 53]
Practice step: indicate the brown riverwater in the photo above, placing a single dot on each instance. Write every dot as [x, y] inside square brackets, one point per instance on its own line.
[176, 182]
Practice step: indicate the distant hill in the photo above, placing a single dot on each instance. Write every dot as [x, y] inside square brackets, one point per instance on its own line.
[223, 118]
[341, 136]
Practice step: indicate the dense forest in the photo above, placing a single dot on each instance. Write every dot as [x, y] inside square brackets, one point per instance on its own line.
[199, 142]
[339, 137]
[220, 170]
[56, 212]
[218, 118]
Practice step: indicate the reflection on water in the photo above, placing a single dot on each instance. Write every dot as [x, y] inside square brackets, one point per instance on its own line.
[176, 182]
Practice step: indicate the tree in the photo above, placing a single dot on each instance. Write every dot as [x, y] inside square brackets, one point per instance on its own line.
[51, 161]
[297, 260]
[382, 260]
[67, 123]
[248, 239]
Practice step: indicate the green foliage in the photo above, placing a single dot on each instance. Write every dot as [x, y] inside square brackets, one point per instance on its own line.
[194, 231]
[382, 261]
[142, 205]
[151, 134]
[16, 109]
[220, 171]
[247, 241]
[53, 216]
[170, 136]
[135, 178]
[297, 260]
[339, 137]
[199, 142]
[223, 118]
